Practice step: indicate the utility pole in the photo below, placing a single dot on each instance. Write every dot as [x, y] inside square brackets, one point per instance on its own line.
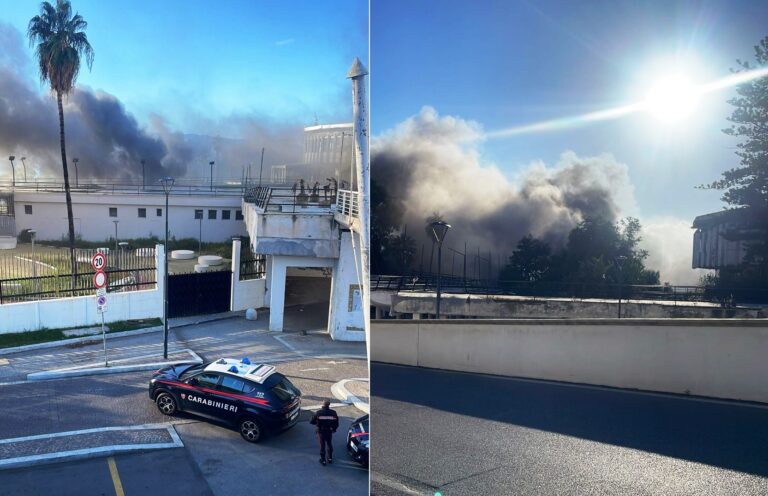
[261, 167]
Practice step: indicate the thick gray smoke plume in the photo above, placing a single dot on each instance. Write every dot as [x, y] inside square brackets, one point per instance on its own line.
[431, 164]
[107, 139]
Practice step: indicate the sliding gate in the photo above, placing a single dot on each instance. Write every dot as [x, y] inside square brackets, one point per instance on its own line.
[199, 293]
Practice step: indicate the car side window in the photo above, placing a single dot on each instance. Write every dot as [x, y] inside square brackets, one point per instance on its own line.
[231, 384]
[205, 380]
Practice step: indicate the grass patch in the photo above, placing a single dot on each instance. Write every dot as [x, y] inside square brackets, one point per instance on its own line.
[13, 339]
[30, 337]
[132, 325]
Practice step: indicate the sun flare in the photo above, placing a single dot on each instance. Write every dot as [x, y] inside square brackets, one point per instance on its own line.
[672, 98]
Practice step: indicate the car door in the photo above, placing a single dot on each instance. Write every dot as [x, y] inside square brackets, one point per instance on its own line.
[198, 397]
[228, 397]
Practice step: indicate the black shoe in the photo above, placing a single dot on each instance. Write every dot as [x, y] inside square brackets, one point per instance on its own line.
[330, 460]
[322, 461]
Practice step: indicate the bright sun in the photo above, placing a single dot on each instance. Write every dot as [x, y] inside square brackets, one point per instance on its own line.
[672, 99]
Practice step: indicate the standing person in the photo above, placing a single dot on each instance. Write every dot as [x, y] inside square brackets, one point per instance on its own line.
[327, 422]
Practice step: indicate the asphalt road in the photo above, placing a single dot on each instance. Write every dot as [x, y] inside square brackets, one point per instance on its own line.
[455, 433]
[215, 459]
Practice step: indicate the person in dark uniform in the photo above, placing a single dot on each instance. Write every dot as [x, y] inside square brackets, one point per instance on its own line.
[327, 422]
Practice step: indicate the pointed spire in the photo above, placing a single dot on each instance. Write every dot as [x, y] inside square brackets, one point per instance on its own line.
[357, 69]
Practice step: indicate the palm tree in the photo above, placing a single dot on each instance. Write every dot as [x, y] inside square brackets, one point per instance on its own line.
[61, 41]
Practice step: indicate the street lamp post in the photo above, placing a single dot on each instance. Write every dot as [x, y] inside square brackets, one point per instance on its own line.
[438, 230]
[619, 261]
[167, 185]
[200, 238]
[77, 178]
[13, 171]
[24, 164]
[115, 221]
[211, 164]
[32, 233]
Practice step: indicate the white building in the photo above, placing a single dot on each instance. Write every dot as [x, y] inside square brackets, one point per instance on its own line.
[137, 214]
[714, 246]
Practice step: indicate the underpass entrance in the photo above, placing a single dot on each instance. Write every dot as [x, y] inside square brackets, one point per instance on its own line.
[307, 298]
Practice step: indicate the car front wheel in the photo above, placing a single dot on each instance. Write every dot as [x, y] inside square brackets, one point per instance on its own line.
[166, 403]
[250, 429]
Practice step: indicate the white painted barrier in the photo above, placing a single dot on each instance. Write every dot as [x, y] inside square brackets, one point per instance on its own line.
[245, 294]
[81, 311]
[709, 357]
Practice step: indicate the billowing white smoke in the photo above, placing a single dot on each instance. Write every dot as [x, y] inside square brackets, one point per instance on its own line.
[669, 242]
[432, 164]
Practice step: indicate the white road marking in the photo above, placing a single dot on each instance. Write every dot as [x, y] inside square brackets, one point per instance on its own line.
[288, 345]
[312, 408]
[396, 485]
[312, 370]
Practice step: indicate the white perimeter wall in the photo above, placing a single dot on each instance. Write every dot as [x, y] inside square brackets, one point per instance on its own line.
[81, 311]
[717, 358]
[245, 294]
[93, 223]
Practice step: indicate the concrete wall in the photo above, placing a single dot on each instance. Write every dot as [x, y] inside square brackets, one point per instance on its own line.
[346, 321]
[526, 307]
[93, 223]
[245, 294]
[708, 357]
[81, 311]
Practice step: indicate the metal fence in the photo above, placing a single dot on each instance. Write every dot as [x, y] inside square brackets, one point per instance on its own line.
[543, 289]
[290, 199]
[253, 267]
[48, 274]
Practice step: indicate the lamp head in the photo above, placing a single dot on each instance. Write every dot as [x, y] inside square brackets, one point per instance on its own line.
[167, 183]
[12, 158]
[438, 229]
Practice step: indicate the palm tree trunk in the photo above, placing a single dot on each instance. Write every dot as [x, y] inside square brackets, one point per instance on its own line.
[68, 196]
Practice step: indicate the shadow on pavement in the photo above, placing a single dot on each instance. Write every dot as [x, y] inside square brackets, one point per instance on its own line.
[727, 435]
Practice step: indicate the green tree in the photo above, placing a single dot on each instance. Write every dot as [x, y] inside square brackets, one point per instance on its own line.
[60, 41]
[530, 261]
[745, 186]
[400, 252]
[386, 213]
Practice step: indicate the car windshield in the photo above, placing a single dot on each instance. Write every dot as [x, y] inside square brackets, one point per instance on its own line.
[191, 371]
[284, 390]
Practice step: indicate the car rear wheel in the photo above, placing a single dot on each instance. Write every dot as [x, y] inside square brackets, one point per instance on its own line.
[250, 429]
[166, 403]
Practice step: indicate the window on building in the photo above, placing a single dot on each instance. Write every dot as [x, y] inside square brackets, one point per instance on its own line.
[28, 209]
[159, 212]
[238, 215]
[212, 215]
[143, 213]
[225, 214]
[198, 214]
[113, 211]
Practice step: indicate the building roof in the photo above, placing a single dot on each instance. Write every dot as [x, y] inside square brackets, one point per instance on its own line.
[322, 127]
[242, 368]
[722, 217]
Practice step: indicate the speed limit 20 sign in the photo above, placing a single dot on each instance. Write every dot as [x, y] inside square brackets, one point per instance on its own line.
[99, 261]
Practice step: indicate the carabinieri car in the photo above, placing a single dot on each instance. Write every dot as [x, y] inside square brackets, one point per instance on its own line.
[255, 398]
[358, 440]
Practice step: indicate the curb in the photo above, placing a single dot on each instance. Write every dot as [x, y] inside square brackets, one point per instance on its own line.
[96, 452]
[341, 392]
[97, 337]
[59, 374]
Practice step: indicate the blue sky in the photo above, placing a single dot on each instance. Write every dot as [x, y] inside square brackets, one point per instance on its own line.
[504, 64]
[196, 62]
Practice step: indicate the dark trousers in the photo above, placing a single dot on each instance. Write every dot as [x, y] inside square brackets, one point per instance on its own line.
[325, 439]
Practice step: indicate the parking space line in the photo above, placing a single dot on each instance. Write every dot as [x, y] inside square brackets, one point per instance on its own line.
[115, 476]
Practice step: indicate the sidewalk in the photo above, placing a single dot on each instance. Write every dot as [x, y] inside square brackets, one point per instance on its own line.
[210, 337]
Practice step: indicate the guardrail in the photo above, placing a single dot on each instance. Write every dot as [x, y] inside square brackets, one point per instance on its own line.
[289, 199]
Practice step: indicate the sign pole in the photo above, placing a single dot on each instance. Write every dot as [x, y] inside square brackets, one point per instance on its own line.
[104, 338]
